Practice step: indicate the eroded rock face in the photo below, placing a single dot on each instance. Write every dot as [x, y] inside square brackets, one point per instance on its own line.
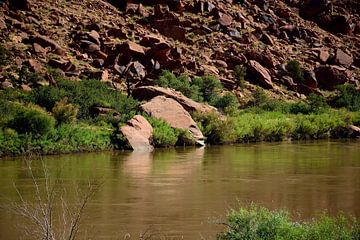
[174, 114]
[138, 132]
[149, 92]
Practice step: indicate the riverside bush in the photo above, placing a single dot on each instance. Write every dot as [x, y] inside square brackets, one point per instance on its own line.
[66, 138]
[257, 223]
[164, 135]
[215, 129]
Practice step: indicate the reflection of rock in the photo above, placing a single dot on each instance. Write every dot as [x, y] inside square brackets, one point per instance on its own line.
[138, 164]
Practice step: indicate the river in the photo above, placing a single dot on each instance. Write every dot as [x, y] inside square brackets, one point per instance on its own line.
[185, 192]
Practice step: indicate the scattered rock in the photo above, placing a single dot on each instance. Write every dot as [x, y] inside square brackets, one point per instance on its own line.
[260, 74]
[47, 42]
[138, 132]
[174, 114]
[330, 76]
[342, 58]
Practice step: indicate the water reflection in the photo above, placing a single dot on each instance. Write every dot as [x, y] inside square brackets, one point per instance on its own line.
[179, 190]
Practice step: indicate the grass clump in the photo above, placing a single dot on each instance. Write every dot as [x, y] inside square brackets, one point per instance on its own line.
[65, 112]
[258, 223]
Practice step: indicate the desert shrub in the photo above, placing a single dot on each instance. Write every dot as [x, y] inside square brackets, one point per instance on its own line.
[295, 70]
[164, 135]
[261, 102]
[181, 84]
[348, 98]
[240, 74]
[215, 129]
[300, 108]
[208, 86]
[257, 223]
[228, 103]
[86, 94]
[33, 121]
[317, 103]
[65, 112]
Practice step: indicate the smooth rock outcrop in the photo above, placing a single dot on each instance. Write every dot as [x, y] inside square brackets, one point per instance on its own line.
[138, 132]
[174, 114]
[149, 92]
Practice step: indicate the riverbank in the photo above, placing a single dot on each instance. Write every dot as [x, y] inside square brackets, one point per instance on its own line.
[87, 116]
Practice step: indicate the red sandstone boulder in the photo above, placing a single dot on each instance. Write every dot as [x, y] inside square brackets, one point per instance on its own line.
[138, 132]
[174, 114]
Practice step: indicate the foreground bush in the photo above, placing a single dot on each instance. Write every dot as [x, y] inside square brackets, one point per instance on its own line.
[256, 223]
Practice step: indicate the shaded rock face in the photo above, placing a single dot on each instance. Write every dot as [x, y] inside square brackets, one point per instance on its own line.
[138, 132]
[174, 114]
[330, 76]
[149, 92]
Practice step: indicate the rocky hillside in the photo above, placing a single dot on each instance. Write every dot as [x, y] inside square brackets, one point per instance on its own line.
[128, 43]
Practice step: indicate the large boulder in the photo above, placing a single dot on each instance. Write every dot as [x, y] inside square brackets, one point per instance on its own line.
[329, 77]
[149, 92]
[260, 74]
[138, 132]
[174, 114]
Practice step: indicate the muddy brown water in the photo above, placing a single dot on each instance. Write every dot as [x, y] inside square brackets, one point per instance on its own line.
[182, 193]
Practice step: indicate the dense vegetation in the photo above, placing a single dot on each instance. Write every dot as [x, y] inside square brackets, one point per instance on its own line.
[256, 223]
[63, 118]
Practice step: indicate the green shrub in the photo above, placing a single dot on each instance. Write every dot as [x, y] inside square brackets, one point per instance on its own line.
[164, 135]
[33, 121]
[215, 129]
[317, 103]
[348, 98]
[257, 223]
[240, 74]
[295, 70]
[65, 112]
[208, 86]
[228, 103]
